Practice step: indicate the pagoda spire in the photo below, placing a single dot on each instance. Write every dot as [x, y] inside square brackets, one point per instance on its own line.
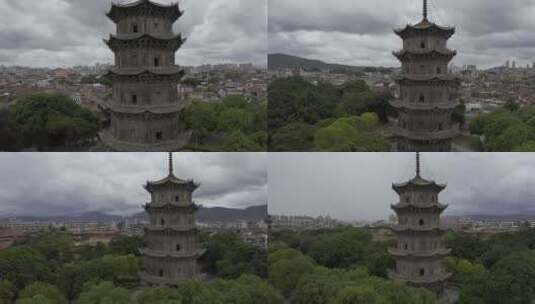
[170, 163]
[417, 164]
[425, 9]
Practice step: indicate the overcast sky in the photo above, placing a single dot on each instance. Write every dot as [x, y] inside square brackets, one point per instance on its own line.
[51, 33]
[57, 183]
[357, 186]
[360, 32]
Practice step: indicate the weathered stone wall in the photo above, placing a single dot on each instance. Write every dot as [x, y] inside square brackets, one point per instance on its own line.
[145, 25]
[138, 129]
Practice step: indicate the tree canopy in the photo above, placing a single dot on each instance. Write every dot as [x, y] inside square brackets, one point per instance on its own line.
[52, 119]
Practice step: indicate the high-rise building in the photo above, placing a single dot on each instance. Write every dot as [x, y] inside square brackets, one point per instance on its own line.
[171, 253]
[428, 91]
[420, 249]
[144, 106]
[507, 64]
[514, 64]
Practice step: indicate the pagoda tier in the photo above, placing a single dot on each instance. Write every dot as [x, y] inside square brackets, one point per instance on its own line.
[119, 11]
[419, 251]
[144, 106]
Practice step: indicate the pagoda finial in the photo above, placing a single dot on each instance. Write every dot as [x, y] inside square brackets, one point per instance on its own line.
[425, 9]
[417, 164]
[170, 163]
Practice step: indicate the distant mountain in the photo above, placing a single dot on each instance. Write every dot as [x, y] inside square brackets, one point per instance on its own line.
[221, 214]
[86, 216]
[284, 61]
[214, 214]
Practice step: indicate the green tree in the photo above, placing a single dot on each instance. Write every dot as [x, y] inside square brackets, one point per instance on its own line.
[285, 274]
[7, 292]
[104, 293]
[9, 137]
[160, 296]
[22, 265]
[512, 279]
[356, 295]
[201, 118]
[237, 141]
[128, 245]
[46, 120]
[296, 136]
[47, 291]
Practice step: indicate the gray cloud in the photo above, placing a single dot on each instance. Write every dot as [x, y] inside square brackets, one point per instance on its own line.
[57, 183]
[360, 32]
[358, 185]
[70, 32]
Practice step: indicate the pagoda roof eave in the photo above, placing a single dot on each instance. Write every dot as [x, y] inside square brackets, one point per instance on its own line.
[145, 35]
[405, 53]
[417, 182]
[401, 206]
[173, 8]
[416, 106]
[162, 254]
[418, 230]
[424, 25]
[192, 206]
[430, 77]
[139, 71]
[170, 179]
[166, 109]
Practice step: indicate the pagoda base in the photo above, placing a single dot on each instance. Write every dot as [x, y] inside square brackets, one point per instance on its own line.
[151, 280]
[117, 145]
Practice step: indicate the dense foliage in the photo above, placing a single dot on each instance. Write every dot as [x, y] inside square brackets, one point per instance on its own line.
[507, 129]
[347, 266]
[48, 268]
[234, 124]
[228, 257]
[323, 117]
[498, 269]
[48, 120]
[336, 266]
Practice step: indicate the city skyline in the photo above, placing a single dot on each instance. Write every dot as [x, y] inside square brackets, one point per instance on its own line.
[61, 183]
[361, 33]
[353, 187]
[74, 37]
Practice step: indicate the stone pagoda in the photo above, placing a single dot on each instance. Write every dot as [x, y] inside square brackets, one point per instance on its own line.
[420, 249]
[428, 92]
[171, 253]
[144, 105]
